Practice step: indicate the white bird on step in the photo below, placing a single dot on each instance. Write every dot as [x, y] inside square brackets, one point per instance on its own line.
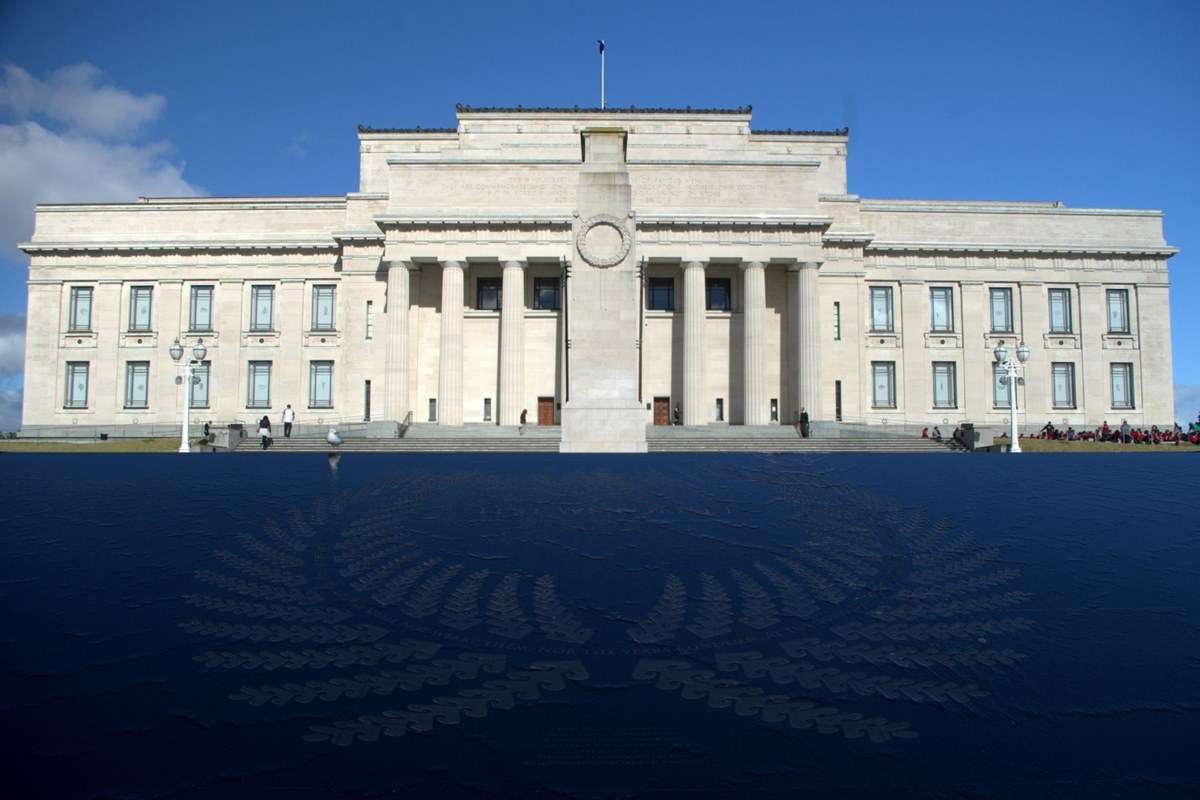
[332, 437]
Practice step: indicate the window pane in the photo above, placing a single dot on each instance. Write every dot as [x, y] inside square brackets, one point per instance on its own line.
[259, 385]
[942, 309]
[661, 294]
[201, 308]
[77, 385]
[199, 394]
[1060, 311]
[137, 380]
[261, 306]
[1002, 310]
[322, 312]
[320, 384]
[837, 321]
[943, 384]
[1063, 383]
[370, 320]
[1118, 311]
[884, 393]
[81, 309]
[139, 308]
[1000, 387]
[1122, 385]
[718, 294]
[545, 294]
[487, 294]
[881, 308]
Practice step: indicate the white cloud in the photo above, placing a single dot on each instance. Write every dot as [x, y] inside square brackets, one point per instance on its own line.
[12, 344]
[80, 97]
[1187, 402]
[82, 148]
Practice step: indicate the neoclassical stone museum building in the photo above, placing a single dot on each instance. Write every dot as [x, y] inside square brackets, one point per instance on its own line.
[603, 270]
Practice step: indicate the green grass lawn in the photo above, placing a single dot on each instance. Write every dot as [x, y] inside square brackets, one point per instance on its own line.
[156, 445]
[1058, 446]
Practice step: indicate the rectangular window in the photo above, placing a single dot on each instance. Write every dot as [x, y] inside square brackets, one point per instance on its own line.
[945, 384]
[1118, 310]
[370, 320]
[1060, 310]
[837, 321]
[77, 385]
[262, 307]
[720, 409]
[1002, 310]
[199, 393]
[487, 409]
[487, 294]
[432, 409]
[545, 294]
[139, 308]
[1062, 384]
[941, 307]
[660, 294]
[137, 384]
[881, 309]
[1000, 387]
[1122, 385]
[718, 294]
[884, 384]
[201, 317]
[320, 384]
[80, 319]
[258, 385]
[322, 307]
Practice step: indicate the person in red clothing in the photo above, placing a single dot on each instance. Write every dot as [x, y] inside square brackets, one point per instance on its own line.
[924, 433]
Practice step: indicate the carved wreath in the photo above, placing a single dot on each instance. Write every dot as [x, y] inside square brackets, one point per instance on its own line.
[603, 259]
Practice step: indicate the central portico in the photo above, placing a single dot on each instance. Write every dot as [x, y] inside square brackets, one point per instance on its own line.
[602, 412]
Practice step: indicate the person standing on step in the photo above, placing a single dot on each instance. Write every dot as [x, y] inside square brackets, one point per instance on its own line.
[803, 422]
[289, 416]
[264, 430]
[521, 427]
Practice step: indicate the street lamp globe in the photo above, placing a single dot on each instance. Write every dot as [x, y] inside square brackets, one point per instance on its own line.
[1001, 353]
[1023, 352]
[199, 351]
[176, 350]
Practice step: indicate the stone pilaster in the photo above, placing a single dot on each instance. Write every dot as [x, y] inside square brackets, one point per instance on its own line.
[512, 343]
[807, 303]
[396, 366]
[754, 310]
[693, 344]
[450, 351]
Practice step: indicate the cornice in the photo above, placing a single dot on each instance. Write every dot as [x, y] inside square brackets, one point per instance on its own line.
[208, 246]
[147, 204]
[482, 220]
[358, 236]
[462, 109]
[440, 159]
[847, 237]
[687, 219]
[989, 207]
[1018, 248]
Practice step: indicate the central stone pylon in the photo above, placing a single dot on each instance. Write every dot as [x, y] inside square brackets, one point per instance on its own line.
[602, 413]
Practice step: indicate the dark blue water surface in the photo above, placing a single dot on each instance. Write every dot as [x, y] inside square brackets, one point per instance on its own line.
[548, 626]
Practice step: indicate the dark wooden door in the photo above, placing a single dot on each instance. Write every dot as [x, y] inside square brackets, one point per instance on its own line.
[662, 411]
[545, 411]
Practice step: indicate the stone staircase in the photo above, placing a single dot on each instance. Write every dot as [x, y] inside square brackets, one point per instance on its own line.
[425, 438]
[779, 439]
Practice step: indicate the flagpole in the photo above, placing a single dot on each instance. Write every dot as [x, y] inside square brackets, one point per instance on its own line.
[602, 77]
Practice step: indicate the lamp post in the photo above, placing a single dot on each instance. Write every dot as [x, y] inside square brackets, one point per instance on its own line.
[189, 378]
[1012, 368]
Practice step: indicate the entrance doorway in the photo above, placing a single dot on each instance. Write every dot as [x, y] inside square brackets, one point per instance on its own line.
[545, 411]
[662, 411]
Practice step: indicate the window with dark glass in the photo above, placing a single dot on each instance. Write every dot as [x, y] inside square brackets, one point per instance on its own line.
[1002, 310]
[80, 319]
[487, 294]
[139, 308]
[199, 392]
[77, 385]
[941, 307]
[545, 294]
[837, 321]
[1060, 310]
[320, 384]
[719, 295]
[881, 309]
[1118, 310]
[137, 384]
[322, 307]
[262, 307]
[660, 294]
[201, 316]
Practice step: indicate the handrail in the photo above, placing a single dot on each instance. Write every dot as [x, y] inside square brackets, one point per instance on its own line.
[404, 425]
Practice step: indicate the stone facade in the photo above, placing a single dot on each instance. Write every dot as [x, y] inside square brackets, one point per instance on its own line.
[464, 289]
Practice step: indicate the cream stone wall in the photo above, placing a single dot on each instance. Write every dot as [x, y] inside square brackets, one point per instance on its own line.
[501, 187]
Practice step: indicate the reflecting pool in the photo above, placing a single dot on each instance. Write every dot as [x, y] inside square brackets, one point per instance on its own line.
[594, 627]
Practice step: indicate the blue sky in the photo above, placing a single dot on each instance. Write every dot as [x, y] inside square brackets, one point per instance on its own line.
[1094, 104]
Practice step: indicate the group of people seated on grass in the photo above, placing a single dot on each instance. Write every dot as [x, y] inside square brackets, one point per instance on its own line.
[1123, 434]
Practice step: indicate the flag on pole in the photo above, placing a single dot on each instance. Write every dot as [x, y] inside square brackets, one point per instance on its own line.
[601, 43]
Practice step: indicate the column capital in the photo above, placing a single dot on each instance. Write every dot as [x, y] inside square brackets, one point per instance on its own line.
[513, 263]
[754, 264]
[694, 264]
[460, 263]
[800, 266]
[397, 264]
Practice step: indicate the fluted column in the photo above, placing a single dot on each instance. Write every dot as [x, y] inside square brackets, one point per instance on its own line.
[754, 312]
[512, 343]
[450, 369]
[693, 343]
[807, 302]
[396, 367]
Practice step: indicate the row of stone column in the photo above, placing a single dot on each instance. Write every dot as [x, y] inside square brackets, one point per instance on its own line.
[802, 297]
[806, 333]
[450, 367]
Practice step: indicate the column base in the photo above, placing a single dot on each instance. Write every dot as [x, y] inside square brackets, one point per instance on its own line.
[603, 427]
